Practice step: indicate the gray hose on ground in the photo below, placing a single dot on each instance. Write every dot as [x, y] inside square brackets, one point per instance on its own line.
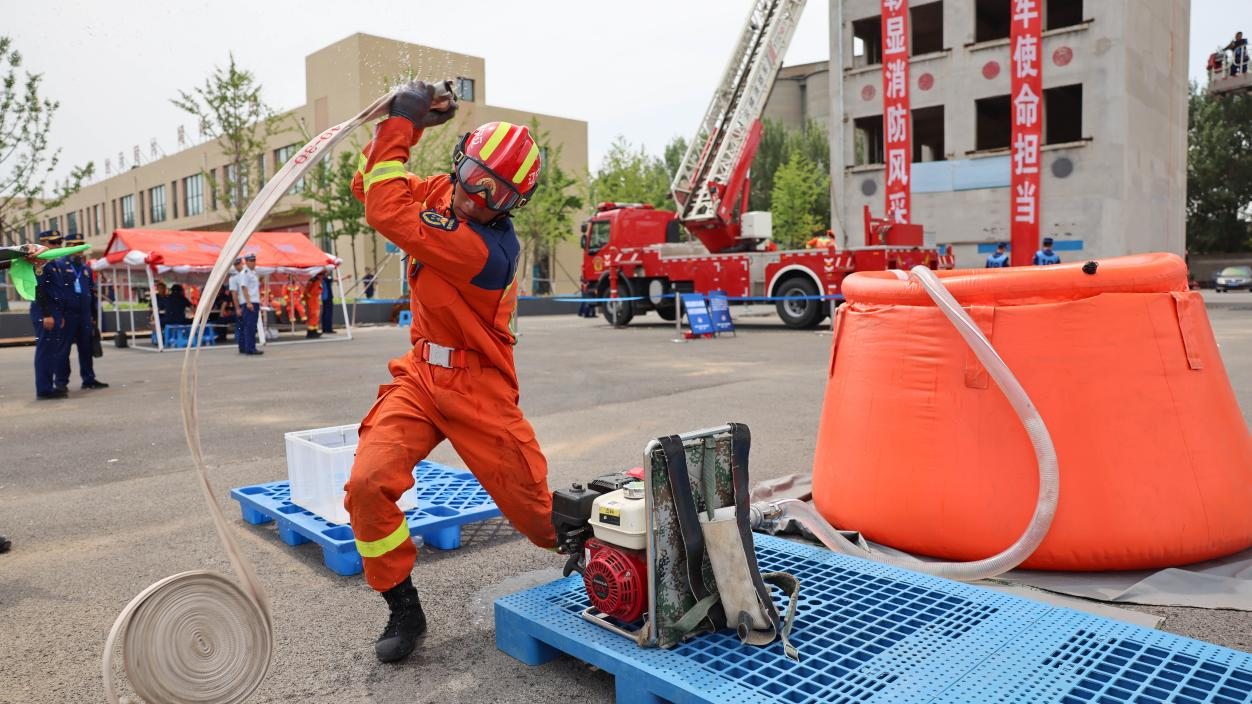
[1045, 456]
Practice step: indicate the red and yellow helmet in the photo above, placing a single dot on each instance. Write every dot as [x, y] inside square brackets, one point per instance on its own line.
[498, 165]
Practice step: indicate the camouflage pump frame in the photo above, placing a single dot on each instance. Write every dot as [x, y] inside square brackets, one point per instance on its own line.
[709, 456]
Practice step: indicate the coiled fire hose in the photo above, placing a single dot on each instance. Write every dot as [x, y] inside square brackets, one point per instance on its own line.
[767, 512]
[198, 636]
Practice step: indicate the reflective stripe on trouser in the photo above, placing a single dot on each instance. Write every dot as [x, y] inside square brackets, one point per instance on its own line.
[476, 409]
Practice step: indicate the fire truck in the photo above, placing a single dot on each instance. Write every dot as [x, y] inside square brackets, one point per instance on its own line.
[644, 255]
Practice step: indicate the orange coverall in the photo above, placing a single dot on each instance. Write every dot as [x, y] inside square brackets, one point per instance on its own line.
[313, 302]
[464, 296]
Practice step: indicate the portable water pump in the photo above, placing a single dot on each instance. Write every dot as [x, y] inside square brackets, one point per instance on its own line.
[603, 528]
[666, 553]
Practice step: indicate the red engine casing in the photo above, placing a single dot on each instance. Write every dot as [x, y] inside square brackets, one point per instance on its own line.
[616, 580]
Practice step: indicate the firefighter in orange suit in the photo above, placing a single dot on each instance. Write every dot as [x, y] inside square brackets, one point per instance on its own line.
[458, 380]
[313, 305]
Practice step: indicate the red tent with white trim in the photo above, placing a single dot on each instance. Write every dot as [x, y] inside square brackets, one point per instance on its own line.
[194, 252]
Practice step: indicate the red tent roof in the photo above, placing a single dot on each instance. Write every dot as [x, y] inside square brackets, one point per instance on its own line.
[194, 251]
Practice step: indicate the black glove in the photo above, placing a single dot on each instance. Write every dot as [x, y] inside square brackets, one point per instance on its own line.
[441, 115]
[412, 102]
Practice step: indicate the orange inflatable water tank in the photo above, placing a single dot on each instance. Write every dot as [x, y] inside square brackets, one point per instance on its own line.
[919, 449]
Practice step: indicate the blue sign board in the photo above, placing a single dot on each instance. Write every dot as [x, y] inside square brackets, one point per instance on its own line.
[697, 314]
[719, 308]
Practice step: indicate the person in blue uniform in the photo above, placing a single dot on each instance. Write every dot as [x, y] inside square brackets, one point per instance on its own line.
[328, 306]
[80, 321]
[47, 315]
[1000, 259]
[250, 298]
[1046, 255]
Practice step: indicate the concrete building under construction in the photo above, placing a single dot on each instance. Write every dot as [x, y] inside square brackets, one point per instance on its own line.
[174, 193]
[1113, 167]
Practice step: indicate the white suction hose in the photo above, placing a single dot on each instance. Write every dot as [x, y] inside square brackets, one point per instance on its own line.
[1045, 455]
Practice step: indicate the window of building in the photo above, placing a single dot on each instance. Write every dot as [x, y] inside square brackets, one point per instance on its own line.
[992, 19]
[993, 123]
[926, 22]
[174, 200]
[213, 188]
[143, 213]
[281, 156]
[867, 142]
[928, 134]
[128, 211]
[1062, 114]
[867, 41]
[54, 223]
[1061, 13]
[95, 219]
[465, 89]
[156, 203]
[71, 223]
[236, 183]
[193, 194]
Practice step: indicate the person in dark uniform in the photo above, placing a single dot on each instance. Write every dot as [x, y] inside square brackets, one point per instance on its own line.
[328, 306]
[1000, 259]
[1046, 256]
[176, 304]
[47, 315]
[80, 321]
[368, 280]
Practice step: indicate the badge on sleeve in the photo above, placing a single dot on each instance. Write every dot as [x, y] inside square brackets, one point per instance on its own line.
[435, 219]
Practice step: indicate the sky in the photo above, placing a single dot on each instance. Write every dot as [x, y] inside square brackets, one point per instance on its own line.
[644, 69]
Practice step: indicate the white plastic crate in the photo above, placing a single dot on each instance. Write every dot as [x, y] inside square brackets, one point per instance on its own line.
[318, 465]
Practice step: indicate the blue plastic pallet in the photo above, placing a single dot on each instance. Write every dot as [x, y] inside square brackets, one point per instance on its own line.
[447, 499]
[872, 633]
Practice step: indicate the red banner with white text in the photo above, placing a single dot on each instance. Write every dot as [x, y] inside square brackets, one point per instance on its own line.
[1027, 132]
[897, 136]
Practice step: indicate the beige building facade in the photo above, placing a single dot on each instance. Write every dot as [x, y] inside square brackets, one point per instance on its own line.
[174, 193]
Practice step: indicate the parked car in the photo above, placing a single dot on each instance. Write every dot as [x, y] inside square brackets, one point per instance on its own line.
[1233, 277]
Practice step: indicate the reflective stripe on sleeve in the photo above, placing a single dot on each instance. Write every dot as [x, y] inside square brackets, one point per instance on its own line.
[383, 171]
[376, 548]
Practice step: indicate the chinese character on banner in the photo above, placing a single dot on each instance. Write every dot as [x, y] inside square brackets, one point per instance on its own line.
[897, 123]
[895, 80]
[182, 137]
[1026, 154]
[1026, 87]
[1025, 204]
[121, 161]
[897, 120]
[136, 155]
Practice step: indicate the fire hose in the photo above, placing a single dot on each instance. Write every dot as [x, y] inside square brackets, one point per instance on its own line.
[198, 636]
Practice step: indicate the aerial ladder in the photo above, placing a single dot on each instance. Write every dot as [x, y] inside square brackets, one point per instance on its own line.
[713, 175]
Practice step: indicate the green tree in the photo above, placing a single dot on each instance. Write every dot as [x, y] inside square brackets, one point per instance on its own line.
[336, 212]
[27, 161]
[674, 153]
[549, 217]
[230, 109]
[800, 190]
[776, 147]
[1219, 172]
[629, 175]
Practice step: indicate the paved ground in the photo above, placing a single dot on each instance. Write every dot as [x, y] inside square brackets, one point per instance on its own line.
[113, 507]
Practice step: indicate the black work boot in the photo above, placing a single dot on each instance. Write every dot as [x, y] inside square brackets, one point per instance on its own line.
[405, 624]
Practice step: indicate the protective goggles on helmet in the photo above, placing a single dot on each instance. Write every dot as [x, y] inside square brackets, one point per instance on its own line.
[485, 187]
